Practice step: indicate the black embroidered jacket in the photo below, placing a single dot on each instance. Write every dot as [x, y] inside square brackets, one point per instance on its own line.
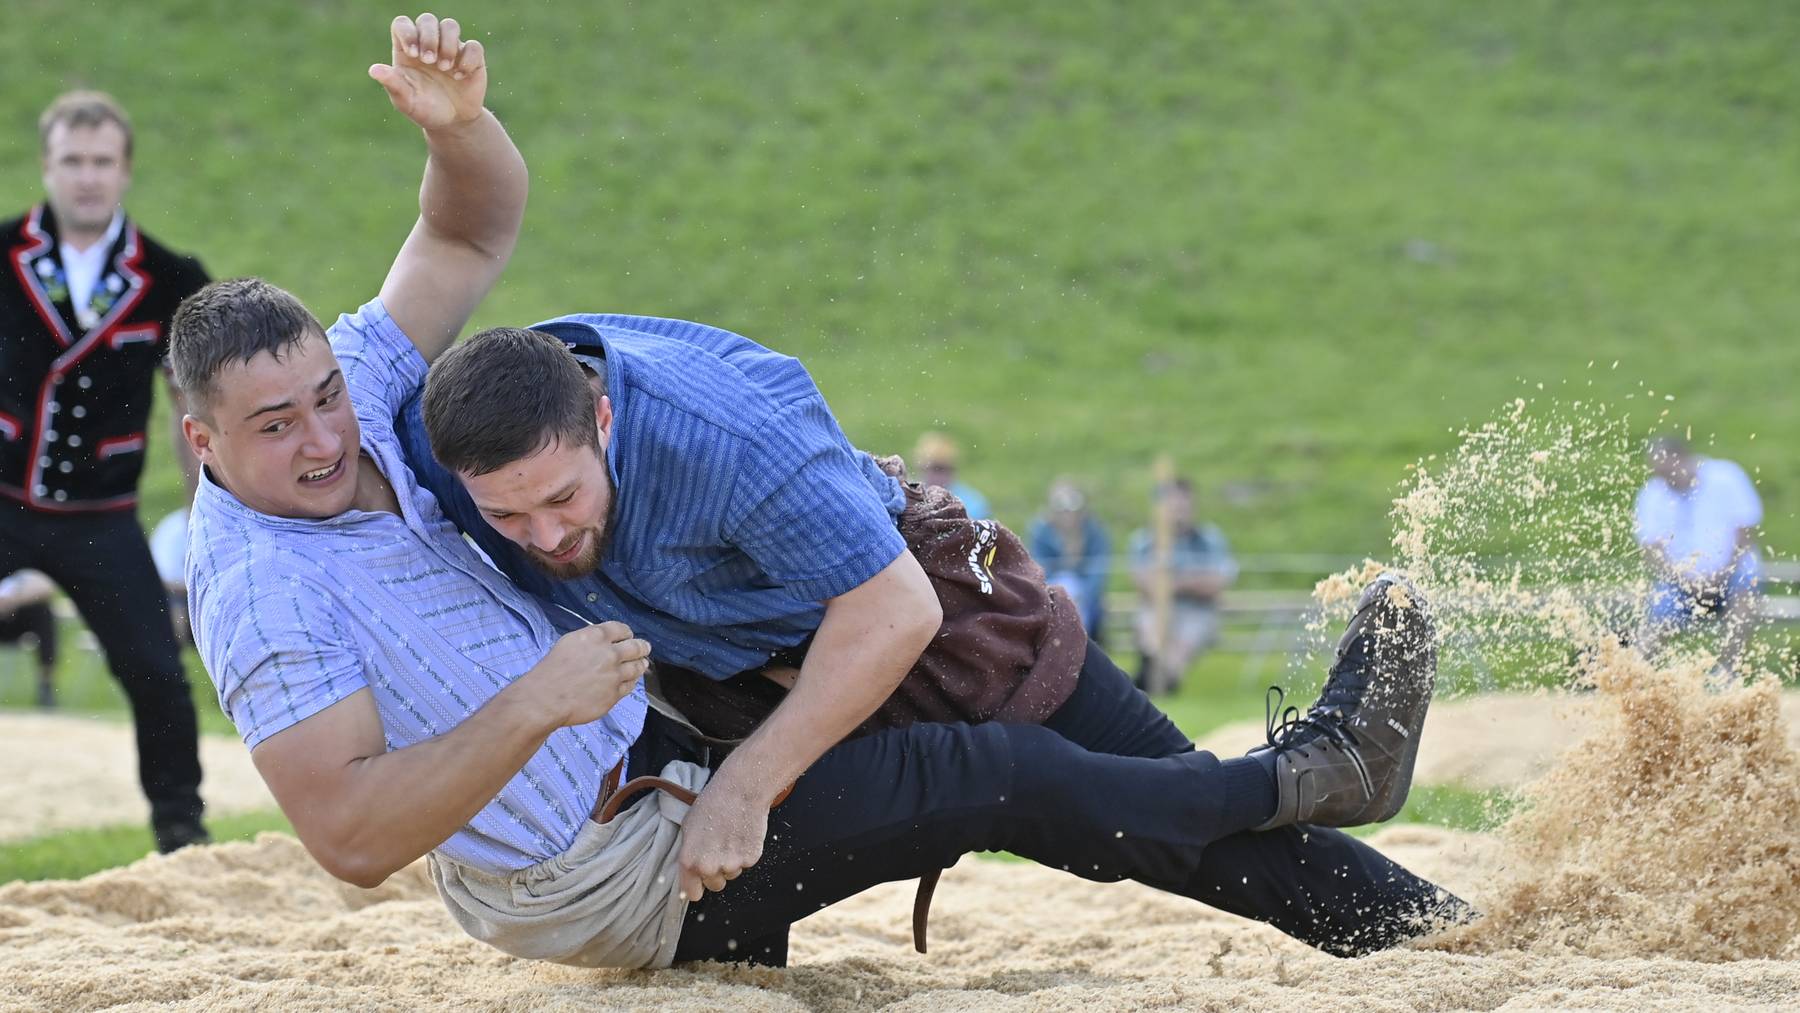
[74, 401]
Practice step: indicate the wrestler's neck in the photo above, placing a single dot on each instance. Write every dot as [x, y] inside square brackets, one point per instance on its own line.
[373, 491]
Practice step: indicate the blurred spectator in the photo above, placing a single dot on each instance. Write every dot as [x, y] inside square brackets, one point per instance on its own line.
[934, 457]
[168, 548]
[1696, 519]
[84, 318]
[1180, 568]
[26, 620]
[1069, 543]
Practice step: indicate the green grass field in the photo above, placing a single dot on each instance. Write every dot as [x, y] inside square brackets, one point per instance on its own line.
[1294, 245]
[1291, 244]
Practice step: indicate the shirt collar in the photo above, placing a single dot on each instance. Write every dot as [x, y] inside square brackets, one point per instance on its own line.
[211, 497]
[99, 249]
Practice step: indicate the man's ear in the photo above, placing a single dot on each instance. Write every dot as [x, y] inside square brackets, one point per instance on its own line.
[603, 419]
[199, 438]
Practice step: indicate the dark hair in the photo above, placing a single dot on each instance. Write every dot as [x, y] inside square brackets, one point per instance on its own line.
[505, 394]
[83, 109]
[228, 322]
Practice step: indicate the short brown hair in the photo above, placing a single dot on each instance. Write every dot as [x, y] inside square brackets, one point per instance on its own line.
[83, 109]
[503, 395]
[232, 321]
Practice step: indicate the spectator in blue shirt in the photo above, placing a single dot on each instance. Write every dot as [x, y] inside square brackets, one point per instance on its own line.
[1073, 548]
[1197, 567]
[935, 456]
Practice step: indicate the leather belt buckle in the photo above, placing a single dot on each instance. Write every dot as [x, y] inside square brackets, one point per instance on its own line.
[608, 785]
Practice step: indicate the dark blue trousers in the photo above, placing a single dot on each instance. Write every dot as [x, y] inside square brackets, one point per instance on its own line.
[1107, 789]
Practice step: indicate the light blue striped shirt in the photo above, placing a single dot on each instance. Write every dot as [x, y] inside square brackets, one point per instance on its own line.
[293, 615]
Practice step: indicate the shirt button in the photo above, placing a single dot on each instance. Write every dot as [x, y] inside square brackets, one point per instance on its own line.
[79, 412]
[85, 382]
[74, 441]
[592, 597]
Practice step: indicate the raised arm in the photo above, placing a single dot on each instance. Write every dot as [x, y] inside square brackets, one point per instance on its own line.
[473, 197]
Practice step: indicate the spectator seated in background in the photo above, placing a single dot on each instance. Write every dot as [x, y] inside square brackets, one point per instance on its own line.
[934, 456]
[1192, 565]
[26, 620]
[168, 549]
[1068, 541]
[1696, 520]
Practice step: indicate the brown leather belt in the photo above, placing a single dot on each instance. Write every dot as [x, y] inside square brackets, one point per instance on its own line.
[613, 797]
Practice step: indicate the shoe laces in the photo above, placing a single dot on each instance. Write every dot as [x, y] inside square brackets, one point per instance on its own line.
[1287, 728]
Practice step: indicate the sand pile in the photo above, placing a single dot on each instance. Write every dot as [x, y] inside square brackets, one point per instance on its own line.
[1671, 829]
[258, 926]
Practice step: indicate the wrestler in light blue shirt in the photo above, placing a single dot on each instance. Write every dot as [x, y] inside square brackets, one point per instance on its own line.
[293, 615]
[739, 504]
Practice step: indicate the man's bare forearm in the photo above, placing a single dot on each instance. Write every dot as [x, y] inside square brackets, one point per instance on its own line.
[396, 806]
[865, 645]
[475, 186]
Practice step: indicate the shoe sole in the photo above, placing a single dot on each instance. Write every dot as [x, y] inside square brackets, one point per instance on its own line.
[1389, 803]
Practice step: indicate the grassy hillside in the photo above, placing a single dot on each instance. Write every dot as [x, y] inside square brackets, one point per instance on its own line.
[1294, 244]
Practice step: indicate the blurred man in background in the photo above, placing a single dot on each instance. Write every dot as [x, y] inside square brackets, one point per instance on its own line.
[1696, 519]
[1069, 542]
[84, 313]
[1181, 569]
[26, 620]
[935, 457]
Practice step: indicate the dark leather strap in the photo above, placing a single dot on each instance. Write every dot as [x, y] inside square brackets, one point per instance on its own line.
[922, 906]
[638, 785]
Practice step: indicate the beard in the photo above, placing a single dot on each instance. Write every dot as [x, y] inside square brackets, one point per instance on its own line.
[598, 539]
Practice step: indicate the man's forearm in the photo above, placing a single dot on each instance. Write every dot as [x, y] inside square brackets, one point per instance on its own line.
[865, 645]
[475, 186]
[398, 805]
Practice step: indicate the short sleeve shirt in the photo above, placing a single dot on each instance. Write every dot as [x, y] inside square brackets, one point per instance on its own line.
[1698, 529]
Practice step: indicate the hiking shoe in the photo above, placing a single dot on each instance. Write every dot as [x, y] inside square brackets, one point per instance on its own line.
[1349, 759]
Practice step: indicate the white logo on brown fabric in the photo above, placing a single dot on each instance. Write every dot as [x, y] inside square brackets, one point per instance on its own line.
[981, 556]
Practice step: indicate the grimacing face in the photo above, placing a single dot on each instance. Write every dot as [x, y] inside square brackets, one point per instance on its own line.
[280, 433]
[86, 174]
[556, 504]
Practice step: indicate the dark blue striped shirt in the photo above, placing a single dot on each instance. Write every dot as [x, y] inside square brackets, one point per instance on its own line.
[741, 504]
